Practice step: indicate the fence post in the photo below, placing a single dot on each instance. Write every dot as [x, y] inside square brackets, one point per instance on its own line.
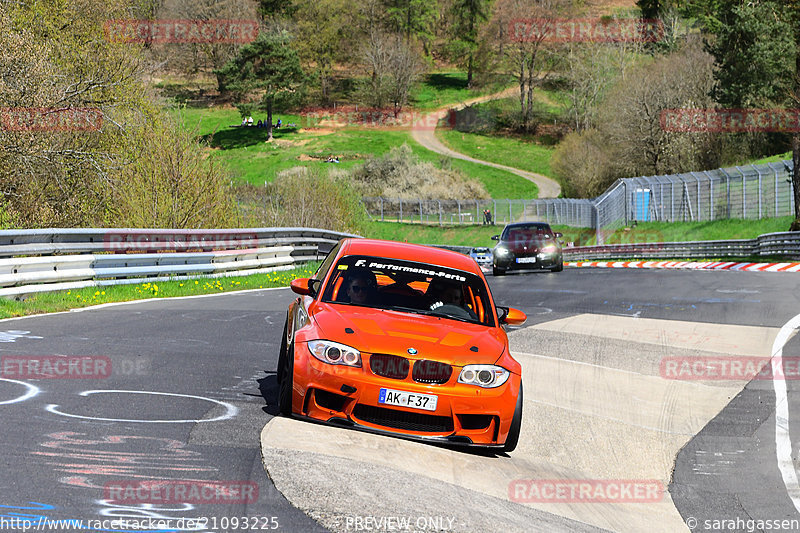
[510, 218]
[494, 213]
[744, 193]
[440, 211]
[381, 208]
[728, 190]
[759, 189]
[400, 214]
[476, 210]
[458, 202]
[420, 210]
[625, 188]
[710, 195]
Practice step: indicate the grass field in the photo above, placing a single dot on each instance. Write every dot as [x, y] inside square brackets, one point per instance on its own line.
[477, 235]
[255, 161]
[440, 89]
[64, 300]
[511, 151]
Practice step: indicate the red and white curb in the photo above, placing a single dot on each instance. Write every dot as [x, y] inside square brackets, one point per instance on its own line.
[694, 265]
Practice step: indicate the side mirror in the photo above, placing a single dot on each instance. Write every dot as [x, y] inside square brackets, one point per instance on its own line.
[495, 237]
[559, 235]
[305, 286]
[511, 316]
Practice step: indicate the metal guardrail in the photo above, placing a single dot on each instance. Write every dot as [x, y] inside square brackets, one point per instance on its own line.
[46, 260]
[785, 245]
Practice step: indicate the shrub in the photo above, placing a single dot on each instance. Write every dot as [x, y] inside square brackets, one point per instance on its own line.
[399, 174]
[304, 197]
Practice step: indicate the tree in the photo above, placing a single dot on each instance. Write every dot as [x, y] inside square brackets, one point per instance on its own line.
[757, 53]
[268, 65]
[328, 30]
[468, 14]
[394, 66]
[524, 50]
[412, 18]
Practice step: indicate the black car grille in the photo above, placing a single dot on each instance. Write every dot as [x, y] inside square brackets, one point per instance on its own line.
[403, 420]
[431, 372]
[389, 366]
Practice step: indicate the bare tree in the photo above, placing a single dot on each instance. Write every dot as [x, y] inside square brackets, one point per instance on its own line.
[520, 32]
[394, 67]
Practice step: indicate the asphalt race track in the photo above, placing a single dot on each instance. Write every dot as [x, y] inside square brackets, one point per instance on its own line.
[184, 390]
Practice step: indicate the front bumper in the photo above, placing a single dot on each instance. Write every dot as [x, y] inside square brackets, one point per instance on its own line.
[465, 414]
[509, 262]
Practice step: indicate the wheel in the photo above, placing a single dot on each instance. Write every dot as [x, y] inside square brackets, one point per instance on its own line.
[282, 353]
[497, 271]
[516, 424]
[286, 383]
[558, 268]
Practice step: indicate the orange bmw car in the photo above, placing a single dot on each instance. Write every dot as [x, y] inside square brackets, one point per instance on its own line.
[402, 339]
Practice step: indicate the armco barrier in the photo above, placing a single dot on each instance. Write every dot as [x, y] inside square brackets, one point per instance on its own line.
[785, 245]
[47, 260]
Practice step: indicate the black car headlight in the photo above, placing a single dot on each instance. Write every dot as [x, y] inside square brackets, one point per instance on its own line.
[486, 376]
[501, 251]
[334, 353]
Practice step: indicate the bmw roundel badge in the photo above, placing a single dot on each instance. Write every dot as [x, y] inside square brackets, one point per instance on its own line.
[412, 351]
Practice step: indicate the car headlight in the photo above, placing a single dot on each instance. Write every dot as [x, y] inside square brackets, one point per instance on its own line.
[486, 376]
[550, 249]
[501, 251]
[334, 353]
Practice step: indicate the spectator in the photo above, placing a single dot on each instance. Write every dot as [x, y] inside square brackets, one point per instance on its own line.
[260, 124]
[278, 125]
[250, 121]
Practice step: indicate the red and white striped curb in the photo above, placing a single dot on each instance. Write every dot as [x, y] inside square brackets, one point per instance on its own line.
[695, 265]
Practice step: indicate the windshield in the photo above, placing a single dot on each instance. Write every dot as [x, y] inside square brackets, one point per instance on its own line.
[409, 287]
[532, 233]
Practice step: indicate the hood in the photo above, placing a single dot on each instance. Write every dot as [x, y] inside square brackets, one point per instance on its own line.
[530, 245]
[391, 332]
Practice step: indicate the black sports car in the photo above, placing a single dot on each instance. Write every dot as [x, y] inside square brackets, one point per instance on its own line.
[527, 245]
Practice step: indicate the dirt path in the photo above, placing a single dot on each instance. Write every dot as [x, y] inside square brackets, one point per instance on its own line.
[426, 136]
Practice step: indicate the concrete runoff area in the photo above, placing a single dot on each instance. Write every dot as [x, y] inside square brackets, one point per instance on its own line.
[596, 408]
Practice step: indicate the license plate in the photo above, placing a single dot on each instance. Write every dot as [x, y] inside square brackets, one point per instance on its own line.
[408, 399]
[526, 259]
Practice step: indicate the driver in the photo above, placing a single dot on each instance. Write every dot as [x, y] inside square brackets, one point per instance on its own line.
[360, 286]
[442, 292]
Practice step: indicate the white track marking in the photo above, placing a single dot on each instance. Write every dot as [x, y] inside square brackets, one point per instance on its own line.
[230, 412]
[783, 441]
[33, 390]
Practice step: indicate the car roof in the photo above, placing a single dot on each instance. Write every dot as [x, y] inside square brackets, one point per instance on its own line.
[527, 225]
[410, 252]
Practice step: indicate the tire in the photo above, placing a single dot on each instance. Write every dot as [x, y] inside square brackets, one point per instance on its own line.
[558, 268]
[286, 384]
[497, 271]
[516, 424]
[282, 353]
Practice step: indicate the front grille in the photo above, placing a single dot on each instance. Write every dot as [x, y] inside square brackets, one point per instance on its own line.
[389, 366]
[403, 420]
[431, 372]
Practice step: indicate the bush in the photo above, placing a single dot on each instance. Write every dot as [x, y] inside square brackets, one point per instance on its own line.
[399, 174]
[304, 197]
[171, 183]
